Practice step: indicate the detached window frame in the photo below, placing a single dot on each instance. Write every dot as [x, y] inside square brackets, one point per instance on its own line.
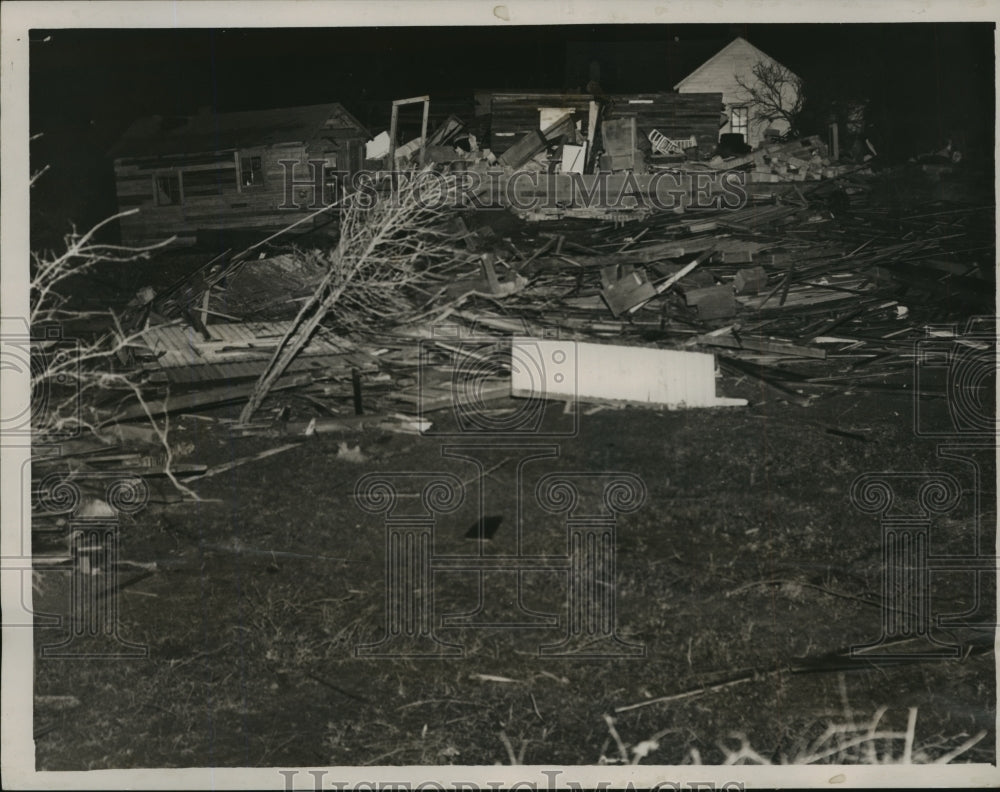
[249, 171]
[739, 121]
[168, 188]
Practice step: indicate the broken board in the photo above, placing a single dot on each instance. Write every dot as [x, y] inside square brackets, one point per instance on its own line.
[235, 351]
[569, 370]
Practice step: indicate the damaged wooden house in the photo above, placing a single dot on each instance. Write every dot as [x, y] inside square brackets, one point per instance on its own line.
[212, 174]
[691, 121]
[758, 92]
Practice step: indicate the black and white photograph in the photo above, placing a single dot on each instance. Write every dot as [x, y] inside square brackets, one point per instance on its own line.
[473, 396]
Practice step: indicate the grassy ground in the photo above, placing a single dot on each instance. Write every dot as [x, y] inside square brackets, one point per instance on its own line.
[747, 554]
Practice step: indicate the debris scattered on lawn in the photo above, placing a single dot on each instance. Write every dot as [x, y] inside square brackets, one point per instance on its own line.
[242, 461]
[493, 678]
[784, 292]
[814, 285]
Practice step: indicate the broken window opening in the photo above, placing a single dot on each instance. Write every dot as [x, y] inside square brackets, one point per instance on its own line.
[251, 173]
[168, 189]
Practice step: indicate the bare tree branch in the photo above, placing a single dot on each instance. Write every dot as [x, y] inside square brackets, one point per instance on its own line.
[70, 377]
[773, 92]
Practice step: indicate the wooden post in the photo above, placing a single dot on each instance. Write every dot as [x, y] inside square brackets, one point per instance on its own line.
[392, 136]
[591, 134]
[359, 408]
[204, 306]
[834, 141]
[396, 104]
[423, 130]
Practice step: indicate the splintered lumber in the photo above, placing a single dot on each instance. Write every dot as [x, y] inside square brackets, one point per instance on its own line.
[676, 277]
[402, 424]
[562, 126]
[233, 352]
[211, 397]
[431, 395]
[535, 142]
[750, 281]
[297, 336]
[712, 302]
[756, 344]
[532, 143]
[624, 287]
[568, 370]
[241, 461]
[620, 142]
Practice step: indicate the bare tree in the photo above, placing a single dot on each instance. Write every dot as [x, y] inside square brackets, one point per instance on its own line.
[395, 246]
[773, 92]
[70, 378]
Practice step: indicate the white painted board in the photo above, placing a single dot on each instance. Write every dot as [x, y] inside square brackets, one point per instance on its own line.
[556, 369]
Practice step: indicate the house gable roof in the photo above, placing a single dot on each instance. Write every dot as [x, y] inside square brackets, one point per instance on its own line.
[217, 132]
[737, 43]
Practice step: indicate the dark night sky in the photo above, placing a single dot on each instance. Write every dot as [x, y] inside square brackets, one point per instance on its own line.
[925, 81]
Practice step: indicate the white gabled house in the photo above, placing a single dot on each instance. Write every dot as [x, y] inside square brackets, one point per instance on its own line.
[728, 72]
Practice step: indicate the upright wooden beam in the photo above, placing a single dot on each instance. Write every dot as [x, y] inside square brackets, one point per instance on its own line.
[594, 110]
[394, 120]
[423, 130]
[392, 135]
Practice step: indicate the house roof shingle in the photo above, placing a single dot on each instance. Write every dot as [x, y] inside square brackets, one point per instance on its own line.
[207, 131]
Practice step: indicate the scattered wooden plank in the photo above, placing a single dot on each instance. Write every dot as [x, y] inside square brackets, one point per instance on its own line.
[756, 344]
[215, 471]
[211, 397]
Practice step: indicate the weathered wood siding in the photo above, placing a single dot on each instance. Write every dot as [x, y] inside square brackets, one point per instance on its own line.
[672, 114]
[722, 73]
[212, 196]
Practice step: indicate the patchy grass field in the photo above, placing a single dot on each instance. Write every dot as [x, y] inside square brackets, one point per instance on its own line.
[747, 564]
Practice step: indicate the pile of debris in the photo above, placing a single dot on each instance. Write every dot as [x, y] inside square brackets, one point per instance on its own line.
[414, 312]
[800, 160]
[790, 293]
[574, 140]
